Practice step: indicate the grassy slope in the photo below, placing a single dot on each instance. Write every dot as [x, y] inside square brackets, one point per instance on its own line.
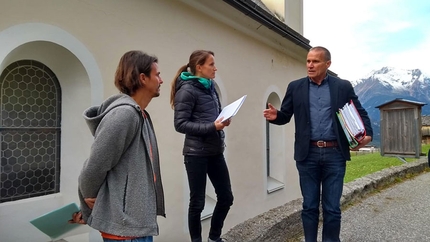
[361, 165]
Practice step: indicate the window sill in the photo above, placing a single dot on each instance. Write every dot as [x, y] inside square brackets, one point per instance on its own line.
[274, 185]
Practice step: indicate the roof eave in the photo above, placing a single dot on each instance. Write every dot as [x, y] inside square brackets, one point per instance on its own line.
[255, 12]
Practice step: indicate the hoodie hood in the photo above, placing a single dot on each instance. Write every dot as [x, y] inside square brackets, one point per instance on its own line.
[94, 115]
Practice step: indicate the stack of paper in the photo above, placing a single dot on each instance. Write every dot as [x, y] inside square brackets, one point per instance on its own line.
[351, 123]
[231, 109]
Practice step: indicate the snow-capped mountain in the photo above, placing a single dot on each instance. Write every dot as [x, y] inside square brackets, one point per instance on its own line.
[386, 84]
[396, 78]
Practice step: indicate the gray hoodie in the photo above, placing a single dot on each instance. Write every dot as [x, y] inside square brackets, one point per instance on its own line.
[122, 171]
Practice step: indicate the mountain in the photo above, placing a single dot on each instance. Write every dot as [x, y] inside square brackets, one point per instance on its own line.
[387, 84]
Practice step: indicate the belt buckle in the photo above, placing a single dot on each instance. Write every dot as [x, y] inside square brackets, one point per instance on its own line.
[321, 144]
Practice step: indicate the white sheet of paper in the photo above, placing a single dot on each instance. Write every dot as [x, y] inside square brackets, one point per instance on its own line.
[231, 109]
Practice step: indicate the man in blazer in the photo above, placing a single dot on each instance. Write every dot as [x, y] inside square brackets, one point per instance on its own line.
[321, 147]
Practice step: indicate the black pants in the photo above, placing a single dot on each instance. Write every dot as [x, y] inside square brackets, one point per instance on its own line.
[216, 169]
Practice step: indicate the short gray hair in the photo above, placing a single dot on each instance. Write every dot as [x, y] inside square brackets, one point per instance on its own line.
[327, 54]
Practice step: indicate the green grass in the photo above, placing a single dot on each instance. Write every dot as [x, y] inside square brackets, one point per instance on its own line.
[364, 164]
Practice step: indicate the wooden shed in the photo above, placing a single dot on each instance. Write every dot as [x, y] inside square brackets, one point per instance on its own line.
[401, 128]
[425, 129]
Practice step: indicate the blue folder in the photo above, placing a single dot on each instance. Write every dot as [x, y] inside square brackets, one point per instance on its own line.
[55, 223]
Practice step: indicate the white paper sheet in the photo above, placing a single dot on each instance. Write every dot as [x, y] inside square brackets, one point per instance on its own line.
[231, 109]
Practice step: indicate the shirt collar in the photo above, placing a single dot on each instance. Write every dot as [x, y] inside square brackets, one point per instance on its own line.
[323, 81]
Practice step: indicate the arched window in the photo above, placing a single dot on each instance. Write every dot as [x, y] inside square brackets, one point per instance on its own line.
[275, 158]
[30, 131]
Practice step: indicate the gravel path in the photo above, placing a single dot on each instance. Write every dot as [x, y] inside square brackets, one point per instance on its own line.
[400, 213]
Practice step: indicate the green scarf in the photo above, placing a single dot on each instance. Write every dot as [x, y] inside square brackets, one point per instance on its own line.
[186, 76]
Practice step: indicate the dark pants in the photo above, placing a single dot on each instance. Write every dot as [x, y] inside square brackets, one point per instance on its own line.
[216, 169]
[323, 168]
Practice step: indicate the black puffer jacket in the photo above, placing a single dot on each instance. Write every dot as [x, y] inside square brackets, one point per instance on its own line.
[196, 109]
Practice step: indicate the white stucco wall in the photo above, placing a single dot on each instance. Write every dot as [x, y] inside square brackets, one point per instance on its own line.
[82, 41]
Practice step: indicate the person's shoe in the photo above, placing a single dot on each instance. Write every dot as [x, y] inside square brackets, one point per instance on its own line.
[218, 240]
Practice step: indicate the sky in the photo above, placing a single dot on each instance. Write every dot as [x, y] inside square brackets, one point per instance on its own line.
[367, 35]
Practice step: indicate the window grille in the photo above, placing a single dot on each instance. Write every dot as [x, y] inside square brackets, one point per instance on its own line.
[30, 131]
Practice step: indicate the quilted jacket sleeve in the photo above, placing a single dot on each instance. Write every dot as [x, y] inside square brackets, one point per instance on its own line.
[185, 120]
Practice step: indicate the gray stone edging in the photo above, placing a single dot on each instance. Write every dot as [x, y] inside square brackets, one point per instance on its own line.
[284, 223]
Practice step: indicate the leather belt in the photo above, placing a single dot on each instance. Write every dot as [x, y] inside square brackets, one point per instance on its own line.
[323, 144]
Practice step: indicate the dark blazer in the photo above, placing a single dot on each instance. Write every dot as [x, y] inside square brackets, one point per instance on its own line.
[296, 101]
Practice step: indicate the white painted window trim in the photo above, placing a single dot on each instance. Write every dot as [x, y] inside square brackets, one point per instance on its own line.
[274, 185]
[209, 208]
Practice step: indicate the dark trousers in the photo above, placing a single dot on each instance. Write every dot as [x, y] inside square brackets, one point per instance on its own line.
[321, 178]
[216, 169]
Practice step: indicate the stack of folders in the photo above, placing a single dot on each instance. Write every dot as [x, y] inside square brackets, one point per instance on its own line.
[352, 124]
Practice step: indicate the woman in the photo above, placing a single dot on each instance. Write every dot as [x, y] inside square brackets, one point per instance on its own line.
[196, 105]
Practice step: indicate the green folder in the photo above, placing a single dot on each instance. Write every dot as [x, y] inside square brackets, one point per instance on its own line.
[55, 223]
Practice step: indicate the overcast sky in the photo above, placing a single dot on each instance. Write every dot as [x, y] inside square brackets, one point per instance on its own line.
[367, 35]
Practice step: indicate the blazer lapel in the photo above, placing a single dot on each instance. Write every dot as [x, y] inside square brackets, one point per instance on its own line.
[304, 93]
[334, 90]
